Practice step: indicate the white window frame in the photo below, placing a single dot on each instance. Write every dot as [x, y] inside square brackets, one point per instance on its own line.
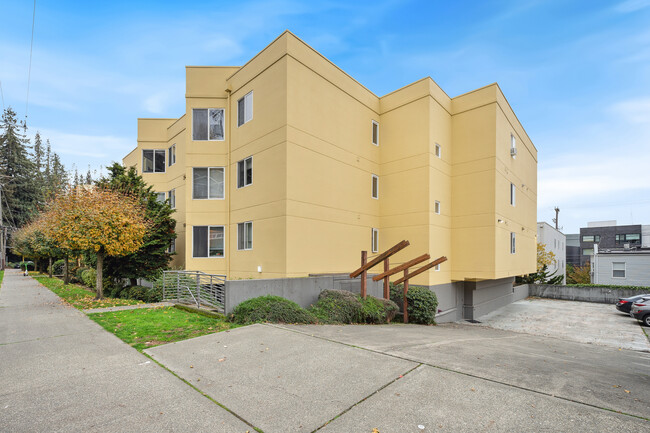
[208, 197]
[160, 195]
[624, 270]
[172, 246]
[372, 133]
[436, 207]
[372, 187]
[513, 243]
[513, 194]
[208, 124]
[245, 231]
[164, 151]
[374, 244]
[438, 151]
[171, 196]
[243, 161]
[224, 242]
[171, 156]
[513, 141]
[246, 98]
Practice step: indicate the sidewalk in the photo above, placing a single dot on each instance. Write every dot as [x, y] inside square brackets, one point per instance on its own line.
[60, 371]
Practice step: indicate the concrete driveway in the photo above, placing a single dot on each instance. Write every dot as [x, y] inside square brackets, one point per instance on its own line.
[584, 322]
[410, 378]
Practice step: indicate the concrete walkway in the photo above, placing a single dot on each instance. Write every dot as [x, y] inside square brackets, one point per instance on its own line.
[60, 371]
[128, 307]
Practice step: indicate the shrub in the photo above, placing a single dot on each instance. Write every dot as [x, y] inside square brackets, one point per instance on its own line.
[89, 277]
[341, 306]
[337, 306]
[645, 288]
[79, 272]
[270, 309]
[57, 267]
[422, 303]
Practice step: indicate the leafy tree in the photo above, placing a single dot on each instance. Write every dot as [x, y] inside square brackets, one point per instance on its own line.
[544, 258]
[17, 172]
[97, 220]
[541, 277]
[32, 241]
[578, 274]
[153, 255]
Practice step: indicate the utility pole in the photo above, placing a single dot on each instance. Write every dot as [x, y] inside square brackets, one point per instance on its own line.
[555, 220]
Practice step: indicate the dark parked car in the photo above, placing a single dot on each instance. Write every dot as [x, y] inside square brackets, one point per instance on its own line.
[641, 310]
[625, 304]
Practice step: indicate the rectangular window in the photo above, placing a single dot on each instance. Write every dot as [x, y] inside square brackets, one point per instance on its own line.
[513, 191]
[513, 243]
[208, 183]
[172, 247]
[438, 151]
[171, 195]
[436, 207]
[618, 270]
[375, 133]
[160, 197]
[375, 186]
[513, 141]
[588, 252]
[208, 241]
[171, 158]
[245, 236]
[208, 124]
[153, 161]
[591, 238]
[633, 237]
[375, 240]
[245, 109]
[245, 172]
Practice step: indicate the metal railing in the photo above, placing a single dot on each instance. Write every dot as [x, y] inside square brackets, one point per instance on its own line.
[195, 287]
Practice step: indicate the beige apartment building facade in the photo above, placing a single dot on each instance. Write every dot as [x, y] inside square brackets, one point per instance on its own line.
[287, 166]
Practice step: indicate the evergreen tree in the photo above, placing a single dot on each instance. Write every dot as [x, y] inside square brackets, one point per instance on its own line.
[58, 178]
[153, 256]
[39, 155]
[17, 171]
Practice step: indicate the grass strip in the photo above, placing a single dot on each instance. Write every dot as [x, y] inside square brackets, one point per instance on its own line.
[2, 274]
[149, 327]
[80, 297]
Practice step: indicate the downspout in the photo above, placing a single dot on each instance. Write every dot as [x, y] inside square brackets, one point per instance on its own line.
[227, 177]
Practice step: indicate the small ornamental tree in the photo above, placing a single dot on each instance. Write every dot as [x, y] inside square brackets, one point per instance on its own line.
[96, 220]
[33, 242]
[544, 258]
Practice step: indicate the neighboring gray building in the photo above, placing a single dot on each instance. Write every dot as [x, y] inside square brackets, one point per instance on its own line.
[608, 235]
[555, 242]
[573, 249]
[621, 268]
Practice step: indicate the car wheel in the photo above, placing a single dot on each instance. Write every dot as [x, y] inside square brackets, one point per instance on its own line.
[646, 320]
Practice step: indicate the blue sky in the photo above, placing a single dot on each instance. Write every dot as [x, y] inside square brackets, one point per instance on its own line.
[577, 73]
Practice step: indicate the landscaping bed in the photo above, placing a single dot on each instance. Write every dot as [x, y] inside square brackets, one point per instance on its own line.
[149, 327]
[80, 297]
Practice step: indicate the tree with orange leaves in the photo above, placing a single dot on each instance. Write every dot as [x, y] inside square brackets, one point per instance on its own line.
[97, 220]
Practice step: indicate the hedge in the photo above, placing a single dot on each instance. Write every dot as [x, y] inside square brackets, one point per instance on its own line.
[422, 303]
[272, 309]
[605, 286]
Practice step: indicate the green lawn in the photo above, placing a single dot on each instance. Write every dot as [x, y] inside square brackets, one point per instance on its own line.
[80, 297]
[2, 273]
[148, 327]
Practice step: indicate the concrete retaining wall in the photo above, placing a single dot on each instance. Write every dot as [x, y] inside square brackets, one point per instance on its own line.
[303, 291]
[603, 295]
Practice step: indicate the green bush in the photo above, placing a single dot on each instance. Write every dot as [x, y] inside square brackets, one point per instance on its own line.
[89, 278]
[378, 310]
[79, 272]
[272, 309]
[337, 306]
[57, 267]
[422, 303]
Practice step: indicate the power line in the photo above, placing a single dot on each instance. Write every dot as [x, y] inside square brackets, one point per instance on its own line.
[29, 74]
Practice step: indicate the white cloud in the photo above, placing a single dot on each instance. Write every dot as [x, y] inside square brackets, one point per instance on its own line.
[631, 6]
[633, 110]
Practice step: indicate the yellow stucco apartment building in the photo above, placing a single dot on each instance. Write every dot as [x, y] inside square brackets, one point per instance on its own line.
[287, 166]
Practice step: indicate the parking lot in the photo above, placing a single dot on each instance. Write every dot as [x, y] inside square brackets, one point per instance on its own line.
[584, 322]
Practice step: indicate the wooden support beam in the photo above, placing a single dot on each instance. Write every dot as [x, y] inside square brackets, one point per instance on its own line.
[422, 269]
[386, 280]
[364, 274]
[380, 258]
[400, 268]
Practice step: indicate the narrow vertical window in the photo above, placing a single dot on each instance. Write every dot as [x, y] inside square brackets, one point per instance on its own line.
[171, 158]
[216, 241]
[245, 236]
[375, 133]
[200, 241]
[436, 207]
[245, 172]
[513, 190]
[200, 124]
[375, 241]
[513, 146]
[245, 109]
[217, 123]
[375, 186]
[172, 247]
[171, 195]
[147, 161]
[438, 151]
[513, 243]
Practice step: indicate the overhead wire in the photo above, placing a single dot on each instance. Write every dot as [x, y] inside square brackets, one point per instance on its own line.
[29, 74]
